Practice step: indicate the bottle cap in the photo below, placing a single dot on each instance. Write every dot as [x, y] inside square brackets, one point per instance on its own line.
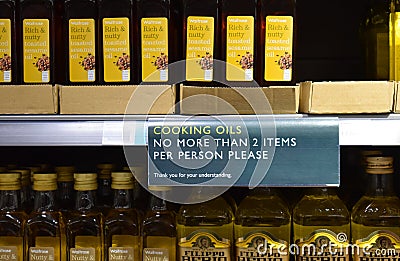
[122, 180]
[44, 182]
[379, 165]
[10, 181]
[65, 173]
[25, 176]
[105, 170]
[85, 181]
[159, 188]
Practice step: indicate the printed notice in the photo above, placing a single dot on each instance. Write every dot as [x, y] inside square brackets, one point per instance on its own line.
[5, 50]
[36, 50]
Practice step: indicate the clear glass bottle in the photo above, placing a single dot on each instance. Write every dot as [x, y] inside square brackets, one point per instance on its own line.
[104, 191]
[12, 217]
[159, 230]
[262, 217]
[84, 226]
[321, 219]
[121, 226]
[65, 191]
[8, 42]
[205, 226]
[26, 191]
[45, 227]
[376, 216]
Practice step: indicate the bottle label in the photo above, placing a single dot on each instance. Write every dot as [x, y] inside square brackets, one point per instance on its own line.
[83, 254]
[239, 48]
[323, 243]
[41, 253]
[5, 50]
[159, 254]
[120, 253]
[36, 50]
[263, 245]
[9, 253]
[200, 48]
[394, 46]
[378, 246]
[203, 245]
[116, 53]
[154, 49]
[278, 48]
[82, 50]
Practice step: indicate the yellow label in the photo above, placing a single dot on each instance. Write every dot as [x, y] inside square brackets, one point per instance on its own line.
[261, 244]
[394, 46]
[278, 48]
[239, 48]
[200, 48]
[41, 253]
[5, 50]
[202, 245]
[36, 50]
[154, 49]
[9, 253]
[116, 44]
[158, 254]
[82, 50]
[378, 246]
[323, 245]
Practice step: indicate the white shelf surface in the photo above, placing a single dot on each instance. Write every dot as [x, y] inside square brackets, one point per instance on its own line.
[107, 130]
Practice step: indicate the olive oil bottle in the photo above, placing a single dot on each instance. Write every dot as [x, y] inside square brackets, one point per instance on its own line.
[238, 40]
[45, 227]
[376, 216]
[205, 230]
[262, 219]
[277, 42]
[36, 54]
[322, 220]
[12, 218]
[80, 29]
[8, 58]
[159, 230]
[117, 38]
[65, 191]
[84, 226]
[200, 40]
[121, 226]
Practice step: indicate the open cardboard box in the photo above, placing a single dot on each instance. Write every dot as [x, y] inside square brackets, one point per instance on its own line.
[29, 99]
[118, 99]
[240, 100]
[353, 97]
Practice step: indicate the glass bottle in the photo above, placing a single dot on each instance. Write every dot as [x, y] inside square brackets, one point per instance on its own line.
[276, 42]
[26, 192]
[12, 217]
[45, 227]
[121, 226]
[205, 228]
[376, 216]
[262, 217]
[80, 29]
[200, 40]
[159, 230]
[321, 219]
[238, 40]
[84, 226]
[8, 44]
[104, 191]
[36, 54]
[117, 45]
[65, 191]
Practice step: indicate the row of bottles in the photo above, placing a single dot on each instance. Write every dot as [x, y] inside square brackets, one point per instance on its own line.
[127, 42]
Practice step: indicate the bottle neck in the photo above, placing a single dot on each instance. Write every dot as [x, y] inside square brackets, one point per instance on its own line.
[10, 200]
[380, 185]
[45, 201]
[122, 198]
[85, 200]
[157, 204]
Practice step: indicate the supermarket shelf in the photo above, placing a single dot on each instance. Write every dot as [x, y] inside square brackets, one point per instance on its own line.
[106, 130]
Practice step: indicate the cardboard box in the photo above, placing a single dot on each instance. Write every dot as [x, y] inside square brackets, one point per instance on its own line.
[239, 100]
[347, 97]
[154, 99]
[28, 99]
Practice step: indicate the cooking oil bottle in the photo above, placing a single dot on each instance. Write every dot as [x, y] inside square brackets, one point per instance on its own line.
[159, 229]
[262, 226]
[65, 191]
[8, 65]
[45, 227]
[205, 230]
[84, 226]
[12, 218]
[26, 193]
[321, 225]
[376, 216]
[104, 191]
[121, 226]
